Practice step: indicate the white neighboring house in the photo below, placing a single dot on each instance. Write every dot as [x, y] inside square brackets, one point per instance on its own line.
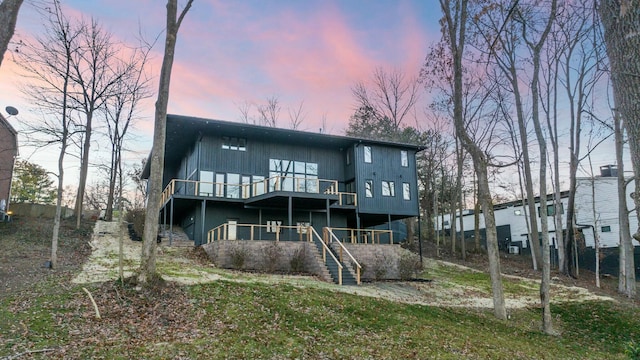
[511, 220]
[606, 202]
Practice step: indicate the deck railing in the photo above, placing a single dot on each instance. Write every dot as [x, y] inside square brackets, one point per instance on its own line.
[275, 232]
[328, 237]
[362, 236]
[257, 188]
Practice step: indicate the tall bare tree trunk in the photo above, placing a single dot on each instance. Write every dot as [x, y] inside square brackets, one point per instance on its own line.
[545, 285]
[148, 259]
[627, 273]
[620, 21]
[8, 17]
[456, 28]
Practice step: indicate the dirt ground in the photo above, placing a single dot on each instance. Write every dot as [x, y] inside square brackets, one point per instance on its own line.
[89, 255]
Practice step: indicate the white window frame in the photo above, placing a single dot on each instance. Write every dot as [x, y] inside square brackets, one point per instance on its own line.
[368, 188]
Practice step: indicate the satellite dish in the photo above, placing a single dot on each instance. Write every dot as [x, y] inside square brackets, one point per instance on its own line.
[11, 110]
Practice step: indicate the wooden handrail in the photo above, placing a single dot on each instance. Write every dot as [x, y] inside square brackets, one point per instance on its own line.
[326, 249]
[345, 250]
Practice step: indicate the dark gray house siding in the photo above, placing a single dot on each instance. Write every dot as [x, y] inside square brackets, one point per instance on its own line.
[212, 151]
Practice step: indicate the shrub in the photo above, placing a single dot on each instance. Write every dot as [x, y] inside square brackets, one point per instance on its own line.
[408, 266]
[298, 260]
[380, 265]
[272, 257]
[238, 256]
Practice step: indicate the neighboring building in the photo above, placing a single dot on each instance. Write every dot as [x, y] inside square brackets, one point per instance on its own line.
[8, 153]
[255, 181]
[513, 232]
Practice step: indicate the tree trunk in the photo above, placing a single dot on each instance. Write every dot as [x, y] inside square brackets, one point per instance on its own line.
[84, 168]
[457, 38]
[148, 258]
[620, 21]
[8, 17]
[627, 274]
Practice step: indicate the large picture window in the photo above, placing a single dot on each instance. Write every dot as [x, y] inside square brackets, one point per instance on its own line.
[298, 176]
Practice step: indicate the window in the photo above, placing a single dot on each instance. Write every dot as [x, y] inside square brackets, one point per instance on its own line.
[388, 188]
[219, 185]
[406, 191]
[302, 227]
[246, 187]
[605, 228]
[234, 143]
[259, 185]
[233, 186]
[367, 154]
[368, 188]
[206, 183]
[348, 156]
[404, 158]
[551, 210]
[298, 176]
[273, 226]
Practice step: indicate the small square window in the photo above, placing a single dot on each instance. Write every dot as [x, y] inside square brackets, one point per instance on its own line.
[404, 158]
[605, 228]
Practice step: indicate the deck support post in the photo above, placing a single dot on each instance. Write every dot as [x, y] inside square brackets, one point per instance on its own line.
[290, 211]
[203, 217]
[171, 223]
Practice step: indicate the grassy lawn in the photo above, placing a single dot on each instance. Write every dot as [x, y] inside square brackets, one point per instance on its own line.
[272, 321]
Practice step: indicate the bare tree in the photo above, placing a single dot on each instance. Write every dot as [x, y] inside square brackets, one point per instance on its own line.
[94, 78]
[390, 96]
[535, 47]
[46, 63]
[269, 112]
[8, 17]
[120, 110]
[627, 273]
[454, 23]
[296, 116]
[148, 258]
[620, 20]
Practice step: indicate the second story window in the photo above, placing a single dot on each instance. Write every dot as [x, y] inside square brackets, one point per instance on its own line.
[388, 188]
[367, 154]
[404, 158]
[368, 188]
[234, 143]
[406, 191]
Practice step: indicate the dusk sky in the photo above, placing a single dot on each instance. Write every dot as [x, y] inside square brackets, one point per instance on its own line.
[233, 52]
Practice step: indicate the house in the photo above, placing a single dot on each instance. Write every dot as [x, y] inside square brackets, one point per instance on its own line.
[599, 216]
[238, 181]
[8, 153]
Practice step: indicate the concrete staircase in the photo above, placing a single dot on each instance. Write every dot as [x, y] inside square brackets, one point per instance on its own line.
[175, 237]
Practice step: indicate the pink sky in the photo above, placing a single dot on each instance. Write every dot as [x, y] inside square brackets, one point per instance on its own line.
[229, 53]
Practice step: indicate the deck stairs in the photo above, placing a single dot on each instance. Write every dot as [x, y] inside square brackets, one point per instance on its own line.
[348, 278]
